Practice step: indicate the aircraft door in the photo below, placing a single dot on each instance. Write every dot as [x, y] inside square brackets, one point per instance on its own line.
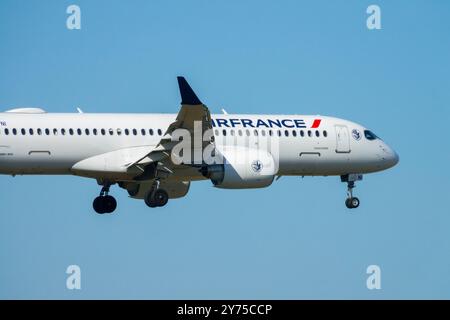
[342, 139]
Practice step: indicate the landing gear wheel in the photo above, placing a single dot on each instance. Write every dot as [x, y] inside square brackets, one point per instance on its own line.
[159, 198]
[98, 205]
[150, 201]
[109, 203]
[347, 203]
[352, 203]
[104, 204]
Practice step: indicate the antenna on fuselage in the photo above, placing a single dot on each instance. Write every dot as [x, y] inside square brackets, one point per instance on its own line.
[224, 111]
[79, 110]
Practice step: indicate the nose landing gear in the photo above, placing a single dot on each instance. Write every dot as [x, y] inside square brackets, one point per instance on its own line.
[351, 202]
[104, 203]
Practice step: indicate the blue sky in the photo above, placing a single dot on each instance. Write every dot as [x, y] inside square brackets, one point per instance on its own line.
[292, 240]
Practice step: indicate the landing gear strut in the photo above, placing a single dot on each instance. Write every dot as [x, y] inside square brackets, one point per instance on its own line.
[156, 197]
[351, 202]
[104, 203]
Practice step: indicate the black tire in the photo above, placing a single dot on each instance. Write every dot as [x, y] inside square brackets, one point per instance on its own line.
[150, 201]
[355, 203]
[161, 197]
[99, 205]
[109, 203]
[348, 203]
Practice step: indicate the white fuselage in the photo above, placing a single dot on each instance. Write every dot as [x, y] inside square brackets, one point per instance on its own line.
[52, 143]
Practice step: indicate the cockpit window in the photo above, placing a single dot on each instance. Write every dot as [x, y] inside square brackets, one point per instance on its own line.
[370, 135]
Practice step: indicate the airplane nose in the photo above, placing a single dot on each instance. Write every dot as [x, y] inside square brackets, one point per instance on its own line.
[390, 157]
[394, 158]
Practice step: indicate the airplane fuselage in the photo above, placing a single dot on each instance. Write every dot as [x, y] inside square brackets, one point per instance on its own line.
[52, 143]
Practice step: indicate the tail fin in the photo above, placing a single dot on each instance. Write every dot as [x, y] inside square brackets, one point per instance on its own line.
[188, 95]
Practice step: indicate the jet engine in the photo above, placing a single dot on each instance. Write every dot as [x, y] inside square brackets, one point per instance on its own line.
[242, 168]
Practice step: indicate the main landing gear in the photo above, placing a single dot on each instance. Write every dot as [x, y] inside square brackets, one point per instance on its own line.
[156, 197]
[351, 202]
[104, 203]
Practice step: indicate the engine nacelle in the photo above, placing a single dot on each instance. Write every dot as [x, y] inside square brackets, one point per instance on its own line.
[242, 168]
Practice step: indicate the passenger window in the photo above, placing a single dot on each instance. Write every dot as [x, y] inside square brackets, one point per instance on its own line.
[39, 131]
[31, 132]
[86, 131]
[63, 132]
[279, 133]
[143, 132]
[55, 131]
[247, 132]
[47, 131]
[70, 131]
[79, 132]
[103, 131]
[240, 132]
[159, 132]
[7, 131]
[309, 133]
[111, 131]
[317, 133]
[232, 132]
[263, 133]
[294, 133]
[224, 132]
[270, 132]
[23, 131]
[302, 133]
[134, 132]
[150, 131]
[216, 132]
[127, 132]
[325, 134]
[256, 132]
[119, 131]
[94, 131]
[286, 133]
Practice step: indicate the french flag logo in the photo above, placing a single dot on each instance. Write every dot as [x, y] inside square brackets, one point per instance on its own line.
[316, 123]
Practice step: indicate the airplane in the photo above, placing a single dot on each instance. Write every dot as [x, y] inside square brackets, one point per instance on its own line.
[141, 153]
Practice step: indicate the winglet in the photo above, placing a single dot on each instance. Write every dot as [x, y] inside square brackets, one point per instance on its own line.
[188, 95]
